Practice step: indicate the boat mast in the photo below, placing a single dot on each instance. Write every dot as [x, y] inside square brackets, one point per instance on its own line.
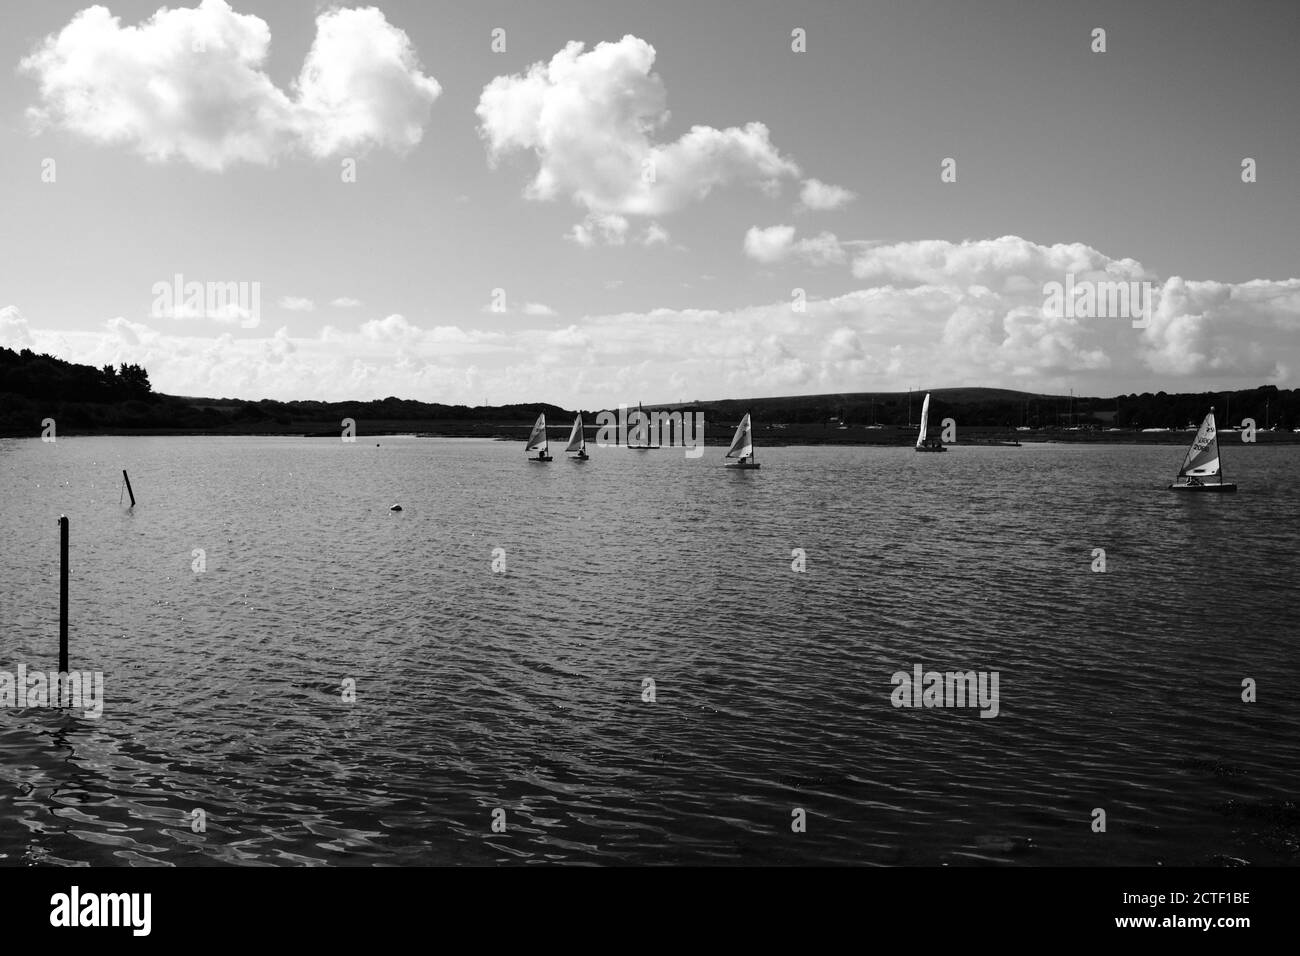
[1218, 446]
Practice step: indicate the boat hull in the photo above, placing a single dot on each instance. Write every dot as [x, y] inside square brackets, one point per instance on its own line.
[542, 458]
[1226, 487]
[745, 466]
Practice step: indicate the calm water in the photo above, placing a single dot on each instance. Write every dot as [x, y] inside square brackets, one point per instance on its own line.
[523, 690]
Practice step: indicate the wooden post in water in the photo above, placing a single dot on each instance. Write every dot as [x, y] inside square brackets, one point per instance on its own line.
[127, 479]
[63, 593]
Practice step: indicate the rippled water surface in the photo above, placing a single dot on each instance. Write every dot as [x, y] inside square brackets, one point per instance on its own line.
[524, 690]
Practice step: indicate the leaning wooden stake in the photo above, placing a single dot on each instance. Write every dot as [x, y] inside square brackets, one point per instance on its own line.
[128, 487]
[63, 593]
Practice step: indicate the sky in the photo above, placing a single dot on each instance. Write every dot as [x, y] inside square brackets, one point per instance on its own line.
[589, 204]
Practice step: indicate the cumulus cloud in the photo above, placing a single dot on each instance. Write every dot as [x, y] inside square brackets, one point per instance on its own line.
[946, 314]
[608, 228]
[537, 308]
[818, 195]
[1218, 328]
[777, 243]
[989, 262]
[14, 331]
[296, 303]
[345, 302]
[589, 118]
[769, 245]
[655, 235]
[189, 83]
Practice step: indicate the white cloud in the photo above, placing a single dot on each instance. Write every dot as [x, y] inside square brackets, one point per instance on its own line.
[968, 323]
[816, 194]
[188, 83]
[537, 308]
[655, 235]
[769, 245]
[345, 302]
[822, 249]
[296, 303]
[609, 228]
[1217, 328]
[777, 243]
[392, 328]
[588, 117]
[1001, 263]
[14, 331]
[361, 85]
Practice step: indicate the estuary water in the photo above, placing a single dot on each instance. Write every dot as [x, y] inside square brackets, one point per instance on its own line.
[258, 579]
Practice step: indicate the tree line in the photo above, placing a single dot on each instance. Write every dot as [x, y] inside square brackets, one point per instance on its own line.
[34, 387]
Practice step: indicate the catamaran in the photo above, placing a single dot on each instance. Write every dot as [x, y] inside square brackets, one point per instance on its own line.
[1202, 470]
[578, 440]
[742, 445]
[537, 440]
[923, 443]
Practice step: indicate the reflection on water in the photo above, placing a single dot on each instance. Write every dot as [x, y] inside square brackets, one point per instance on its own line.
[524, 690]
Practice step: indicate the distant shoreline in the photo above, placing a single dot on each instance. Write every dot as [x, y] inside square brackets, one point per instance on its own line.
[771, 436]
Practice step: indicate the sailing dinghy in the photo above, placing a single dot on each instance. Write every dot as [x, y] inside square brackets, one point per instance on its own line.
[742, 446]
[923, 443]
[537, 440]
[1202, 469]
[578, 441]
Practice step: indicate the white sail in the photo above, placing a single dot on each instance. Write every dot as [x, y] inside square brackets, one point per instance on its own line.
[576, 437]
[1203, 457]
[742, 445]
[925, 420]
[538, 435]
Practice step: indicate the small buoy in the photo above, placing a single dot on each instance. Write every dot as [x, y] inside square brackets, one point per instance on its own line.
[395, 508]
[376, 444]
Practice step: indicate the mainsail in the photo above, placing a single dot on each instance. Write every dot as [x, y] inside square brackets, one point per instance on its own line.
[742, 445]
[925, 420]
[1203, 457]
[576, 437]
[538, 435]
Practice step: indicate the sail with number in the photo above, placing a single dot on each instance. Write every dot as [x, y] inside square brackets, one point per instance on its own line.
[742, 446]
[537, 437]
[925, 420]
[1203, 457]
[577, 440]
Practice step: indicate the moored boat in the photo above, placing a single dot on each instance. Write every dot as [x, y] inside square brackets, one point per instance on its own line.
[643, 428]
